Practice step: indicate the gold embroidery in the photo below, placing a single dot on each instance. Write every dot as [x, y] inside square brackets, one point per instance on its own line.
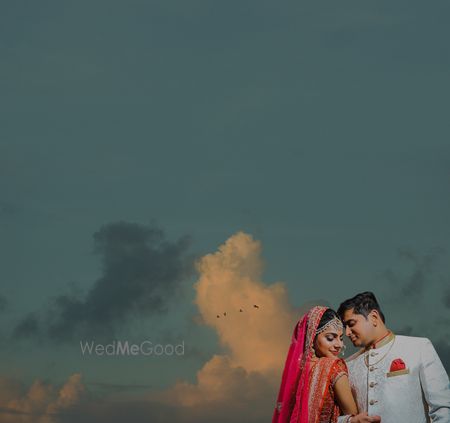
[324, 375]
[398, 373]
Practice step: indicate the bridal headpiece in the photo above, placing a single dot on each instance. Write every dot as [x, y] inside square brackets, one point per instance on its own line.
[334, 324]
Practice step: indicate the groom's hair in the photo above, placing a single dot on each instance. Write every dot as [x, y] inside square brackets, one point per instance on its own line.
[362, 303]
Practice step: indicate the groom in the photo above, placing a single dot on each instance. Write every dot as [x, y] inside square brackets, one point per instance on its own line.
[398, 378]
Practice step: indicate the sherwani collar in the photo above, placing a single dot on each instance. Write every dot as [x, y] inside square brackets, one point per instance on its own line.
[386, 339]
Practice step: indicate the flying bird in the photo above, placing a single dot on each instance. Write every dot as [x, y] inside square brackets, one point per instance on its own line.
[240, 310]
[218, 316]
[256, 306]
[225, 313]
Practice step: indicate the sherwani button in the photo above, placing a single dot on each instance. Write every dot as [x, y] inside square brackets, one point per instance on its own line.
[372, 384]
[372, 402]
[371, 368]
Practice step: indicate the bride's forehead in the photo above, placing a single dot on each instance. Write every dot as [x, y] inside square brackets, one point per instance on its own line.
[334, 332]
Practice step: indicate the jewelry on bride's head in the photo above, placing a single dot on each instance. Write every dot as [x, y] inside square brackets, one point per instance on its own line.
[334, 324]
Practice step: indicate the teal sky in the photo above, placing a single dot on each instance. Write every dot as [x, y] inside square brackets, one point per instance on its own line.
[320, 128]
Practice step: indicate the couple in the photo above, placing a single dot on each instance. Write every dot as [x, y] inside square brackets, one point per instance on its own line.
[392, 379]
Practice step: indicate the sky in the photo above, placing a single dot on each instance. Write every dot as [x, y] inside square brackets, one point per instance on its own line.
[165, 162]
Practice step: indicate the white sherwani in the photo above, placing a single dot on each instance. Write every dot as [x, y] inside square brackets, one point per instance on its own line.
[418, 394]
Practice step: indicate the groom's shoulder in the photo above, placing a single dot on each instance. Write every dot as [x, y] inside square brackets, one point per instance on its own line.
[411, 340]
[413, 346]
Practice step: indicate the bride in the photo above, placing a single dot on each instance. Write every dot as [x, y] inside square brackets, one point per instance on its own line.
[314, 386]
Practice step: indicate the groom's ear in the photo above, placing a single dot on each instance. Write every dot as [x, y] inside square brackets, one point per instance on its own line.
[375, 317]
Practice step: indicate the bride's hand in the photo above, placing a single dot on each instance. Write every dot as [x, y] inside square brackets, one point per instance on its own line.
[364, 418]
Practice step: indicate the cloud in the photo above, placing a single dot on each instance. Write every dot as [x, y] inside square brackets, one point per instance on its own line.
[41, 402]
[244, 380]
[230, 280]
[119, 410]
[71, 403]
[105, 387]
[28, 326]
[141, 272]
[413, 286]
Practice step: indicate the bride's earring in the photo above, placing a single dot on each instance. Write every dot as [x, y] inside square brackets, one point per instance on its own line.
[343, 350]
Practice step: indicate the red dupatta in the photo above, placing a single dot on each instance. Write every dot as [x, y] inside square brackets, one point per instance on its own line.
[296, 401]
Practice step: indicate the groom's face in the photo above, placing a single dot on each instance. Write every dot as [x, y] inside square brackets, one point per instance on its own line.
[358, 328]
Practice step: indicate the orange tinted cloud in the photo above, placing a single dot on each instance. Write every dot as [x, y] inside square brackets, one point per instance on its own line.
[41, 403]
[245, 378]
[230, 280]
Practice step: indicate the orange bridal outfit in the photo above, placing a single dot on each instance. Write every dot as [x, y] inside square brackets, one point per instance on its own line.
[306, 393]
[325, 372]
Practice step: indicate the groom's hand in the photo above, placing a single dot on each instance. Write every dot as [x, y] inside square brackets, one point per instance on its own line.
[364, 418]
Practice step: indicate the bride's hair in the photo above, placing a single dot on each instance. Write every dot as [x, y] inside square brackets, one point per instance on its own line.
[329, 315]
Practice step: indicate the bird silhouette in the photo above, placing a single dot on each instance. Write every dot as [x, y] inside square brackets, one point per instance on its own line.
[225, 313]
[240, 310]
[218, 316]
[256, 306]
